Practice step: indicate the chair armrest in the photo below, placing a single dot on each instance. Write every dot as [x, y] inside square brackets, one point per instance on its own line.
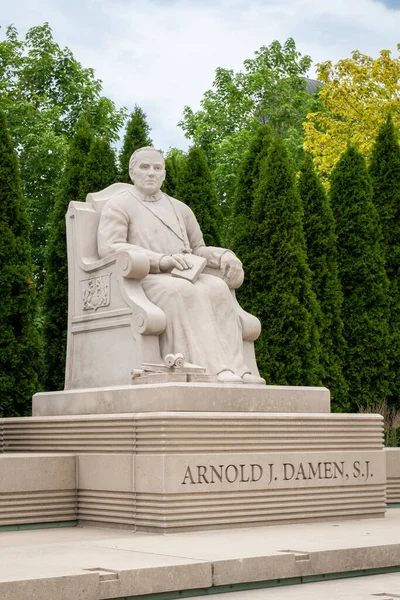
[130, 263]
[218, 273]
[131, 267]
[251, 326]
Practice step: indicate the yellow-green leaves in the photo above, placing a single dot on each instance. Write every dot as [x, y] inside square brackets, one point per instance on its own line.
[356, 95]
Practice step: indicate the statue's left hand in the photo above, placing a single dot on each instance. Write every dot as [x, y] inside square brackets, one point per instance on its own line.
[231, 269]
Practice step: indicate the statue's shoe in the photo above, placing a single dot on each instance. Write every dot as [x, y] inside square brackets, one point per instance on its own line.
[253, 379]
[228, 377]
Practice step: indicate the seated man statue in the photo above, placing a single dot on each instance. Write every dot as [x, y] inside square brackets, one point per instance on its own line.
[202, 321]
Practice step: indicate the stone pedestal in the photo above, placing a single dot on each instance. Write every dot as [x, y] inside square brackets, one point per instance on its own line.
[37, 488]
[197, 398]
[221, 466]
[393, 475]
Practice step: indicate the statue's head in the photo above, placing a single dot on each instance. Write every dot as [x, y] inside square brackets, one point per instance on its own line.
[147, 170]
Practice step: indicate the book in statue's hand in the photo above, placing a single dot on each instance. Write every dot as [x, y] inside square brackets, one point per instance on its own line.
[198, 264]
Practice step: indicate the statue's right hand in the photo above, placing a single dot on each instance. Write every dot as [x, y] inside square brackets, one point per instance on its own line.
[167, 263]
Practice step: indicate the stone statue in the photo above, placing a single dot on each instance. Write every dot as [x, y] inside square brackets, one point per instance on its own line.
[202, 317]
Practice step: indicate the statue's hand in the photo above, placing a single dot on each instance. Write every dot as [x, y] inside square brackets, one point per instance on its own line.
[231, 269]
[180, 261]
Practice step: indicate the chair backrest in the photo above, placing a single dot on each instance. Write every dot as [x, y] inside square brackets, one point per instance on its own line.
[82, 237]
[100, 199]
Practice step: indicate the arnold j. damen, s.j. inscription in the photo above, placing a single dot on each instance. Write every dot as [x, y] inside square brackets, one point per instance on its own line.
[286, 471]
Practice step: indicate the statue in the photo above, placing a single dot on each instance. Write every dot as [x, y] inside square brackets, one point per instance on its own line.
[202, 318]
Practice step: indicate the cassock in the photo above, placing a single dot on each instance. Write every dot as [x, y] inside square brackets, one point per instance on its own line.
[202, 321]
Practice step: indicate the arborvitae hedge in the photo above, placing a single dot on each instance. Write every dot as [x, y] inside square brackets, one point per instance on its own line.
[385, 178]
[288, 350]
[196, 188]
[173, 167]
[99, 169]
[55, 294]
[19, 339]
[136, 136]
[242, 230]
[319, 231]
[365, 308]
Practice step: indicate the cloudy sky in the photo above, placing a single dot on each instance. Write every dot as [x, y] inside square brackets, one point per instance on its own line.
[162, 54]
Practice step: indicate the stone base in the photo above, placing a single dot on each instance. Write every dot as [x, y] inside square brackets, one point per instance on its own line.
[393, 475]
[175, 396]
[177, 471]
[37, 488]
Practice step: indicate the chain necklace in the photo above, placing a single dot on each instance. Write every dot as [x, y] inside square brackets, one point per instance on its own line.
[187, 249]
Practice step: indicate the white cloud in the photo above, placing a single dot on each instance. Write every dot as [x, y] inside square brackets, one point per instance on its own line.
[162, 54]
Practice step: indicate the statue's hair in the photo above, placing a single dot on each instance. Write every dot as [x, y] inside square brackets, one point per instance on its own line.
[133, 158]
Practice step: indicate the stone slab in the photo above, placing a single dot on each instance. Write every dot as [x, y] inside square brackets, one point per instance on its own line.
[36, 472]
[201, 397]
[371, 587]
[190, 473]
[200, 432]
[37, 488]
[393, 475]
[97, 564]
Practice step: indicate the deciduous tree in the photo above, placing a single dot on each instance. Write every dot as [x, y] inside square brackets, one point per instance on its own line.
[356, 95]
[271, 88]
[43, 90]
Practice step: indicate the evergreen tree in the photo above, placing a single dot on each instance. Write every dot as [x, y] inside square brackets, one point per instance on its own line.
[385, 178]
[99, 170]
[249, 173]
[173, 166]
[319, 231]
[197, 190]
[19, 339]
[288, 349]
[136, 136]
[55, 294]
[365, 309]
[242, 229]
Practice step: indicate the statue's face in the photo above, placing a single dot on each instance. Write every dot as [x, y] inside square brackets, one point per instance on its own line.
[148, 172]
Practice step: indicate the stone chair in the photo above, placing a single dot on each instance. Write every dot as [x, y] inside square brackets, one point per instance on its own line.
[113, 328]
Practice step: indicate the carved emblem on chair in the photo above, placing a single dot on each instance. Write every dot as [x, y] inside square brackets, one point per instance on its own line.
[95, 292]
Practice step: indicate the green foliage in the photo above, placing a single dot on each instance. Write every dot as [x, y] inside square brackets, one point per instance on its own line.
[196, 189]
[136, 136]
[43, 90]
[385, 178]
[99, 169]
[319, 231]
[19, 340]
[249, 172]
[242, 230]
[174, 162]
[365, 309]
[391, 421]
[270, 89]
[288, 349]
[55, 295]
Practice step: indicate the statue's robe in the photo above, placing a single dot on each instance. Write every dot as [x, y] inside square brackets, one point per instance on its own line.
[202, 321]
